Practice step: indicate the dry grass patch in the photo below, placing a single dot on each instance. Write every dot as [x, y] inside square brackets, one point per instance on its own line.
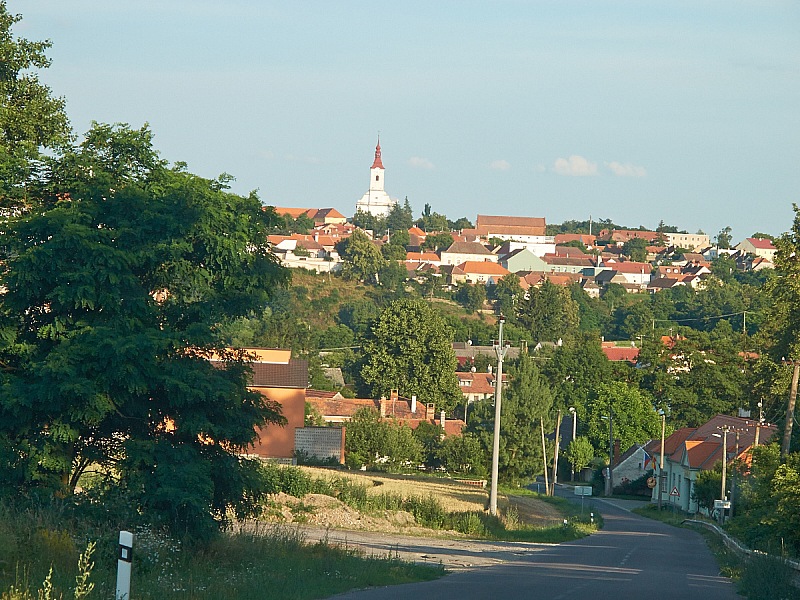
[453, 495]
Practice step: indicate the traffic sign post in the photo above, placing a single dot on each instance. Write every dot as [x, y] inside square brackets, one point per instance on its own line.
[583, 491]
[675, 493]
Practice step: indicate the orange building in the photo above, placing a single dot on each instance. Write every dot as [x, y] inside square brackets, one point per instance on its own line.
[284, 380]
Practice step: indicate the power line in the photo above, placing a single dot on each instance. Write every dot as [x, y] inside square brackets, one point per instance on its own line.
[744, 312]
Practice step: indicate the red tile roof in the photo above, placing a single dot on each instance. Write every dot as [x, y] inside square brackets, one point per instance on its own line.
[482, 268]
[762, 243]
[621, 353]
[377, 163]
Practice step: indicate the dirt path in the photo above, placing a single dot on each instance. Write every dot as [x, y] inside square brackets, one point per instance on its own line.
[452, 554]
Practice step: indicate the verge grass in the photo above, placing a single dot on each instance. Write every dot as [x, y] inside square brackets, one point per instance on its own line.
[451, 506]
[39, 558]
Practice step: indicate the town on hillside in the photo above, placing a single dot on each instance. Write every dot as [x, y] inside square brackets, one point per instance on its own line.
[482, 254]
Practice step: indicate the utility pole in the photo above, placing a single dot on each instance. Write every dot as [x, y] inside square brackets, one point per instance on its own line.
[500, 350]
[661, 475]
[723, 495]
[574, 414]
[544, 459]
[787, 432]
[555, 452]
[610, 478]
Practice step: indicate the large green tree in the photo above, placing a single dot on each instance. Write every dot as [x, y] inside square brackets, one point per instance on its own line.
[634, 418]
[409, 348]
[549, 313]
[114, 292]
[525, 401]
[362, 259]
[32, 120]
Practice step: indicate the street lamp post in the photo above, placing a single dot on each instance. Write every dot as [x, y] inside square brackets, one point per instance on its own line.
[661, 475]
[610, 478]
[500, 350]
[724, 496]
[574, 414]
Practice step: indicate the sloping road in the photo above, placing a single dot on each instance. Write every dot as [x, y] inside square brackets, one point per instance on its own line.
[632, 557]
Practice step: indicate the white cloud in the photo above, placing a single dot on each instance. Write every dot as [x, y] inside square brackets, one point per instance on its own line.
[626, 169]
[499, 165]
[420, 163]
[575, 166]
[539, 169]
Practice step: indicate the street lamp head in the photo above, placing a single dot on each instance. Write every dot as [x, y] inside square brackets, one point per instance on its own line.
[572, 409]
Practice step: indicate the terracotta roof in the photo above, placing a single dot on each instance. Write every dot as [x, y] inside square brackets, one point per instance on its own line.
[322, 213]
[484, 220]
[622, 353]
[322, 394]
[585, 239]
[482, 268]
[431, 257]
[762, 243]
[564, 279]
[568, 261]
[293, 212]
[632, 267]
[416, 231]
[377, 163]
[477, 383]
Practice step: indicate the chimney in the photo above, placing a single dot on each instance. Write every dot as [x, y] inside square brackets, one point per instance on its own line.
[383, 406]
[414, 404]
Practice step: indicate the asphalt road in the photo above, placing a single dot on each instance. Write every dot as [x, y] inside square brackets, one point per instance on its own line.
[632, 557]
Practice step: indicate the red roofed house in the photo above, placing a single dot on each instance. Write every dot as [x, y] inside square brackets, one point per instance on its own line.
[320, 216]
[634, 273]
[693, 449]
[761, 247]
[620, 236]
[488, 273]
[529, 230]
[338, 410]
[460, 252]
[587, 240]
[629, 353]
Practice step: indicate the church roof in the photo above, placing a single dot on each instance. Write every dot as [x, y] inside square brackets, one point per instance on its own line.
[377, 163]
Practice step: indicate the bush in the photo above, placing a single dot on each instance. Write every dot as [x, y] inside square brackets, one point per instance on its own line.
[768, 578]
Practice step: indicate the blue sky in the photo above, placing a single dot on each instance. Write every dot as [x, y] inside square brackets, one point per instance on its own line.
[634, 111]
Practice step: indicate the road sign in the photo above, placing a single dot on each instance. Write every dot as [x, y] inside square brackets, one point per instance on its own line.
[675, 492]
[722, 504]
[583, 490]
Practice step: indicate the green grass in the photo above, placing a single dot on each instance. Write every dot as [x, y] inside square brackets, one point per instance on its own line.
[261, 564]
[429, 512]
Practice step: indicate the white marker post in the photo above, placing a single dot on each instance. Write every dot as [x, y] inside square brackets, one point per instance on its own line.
[124, 564]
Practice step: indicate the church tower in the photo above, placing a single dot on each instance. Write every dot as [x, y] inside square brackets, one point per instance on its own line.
[376, 201]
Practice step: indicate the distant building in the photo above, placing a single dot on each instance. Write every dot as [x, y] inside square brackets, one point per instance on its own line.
[760, 247]
[690, 241]
[376, 201]
[282, 379]
[529, 230]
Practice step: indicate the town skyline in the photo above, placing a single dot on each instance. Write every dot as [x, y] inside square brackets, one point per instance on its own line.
[684, 114]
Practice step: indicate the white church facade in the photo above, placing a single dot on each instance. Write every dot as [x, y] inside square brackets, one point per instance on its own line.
[376, 201]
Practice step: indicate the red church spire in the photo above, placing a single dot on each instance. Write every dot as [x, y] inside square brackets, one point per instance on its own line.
[377, 164]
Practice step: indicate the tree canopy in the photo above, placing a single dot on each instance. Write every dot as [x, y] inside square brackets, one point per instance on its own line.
[409, 348]
[114, 291]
